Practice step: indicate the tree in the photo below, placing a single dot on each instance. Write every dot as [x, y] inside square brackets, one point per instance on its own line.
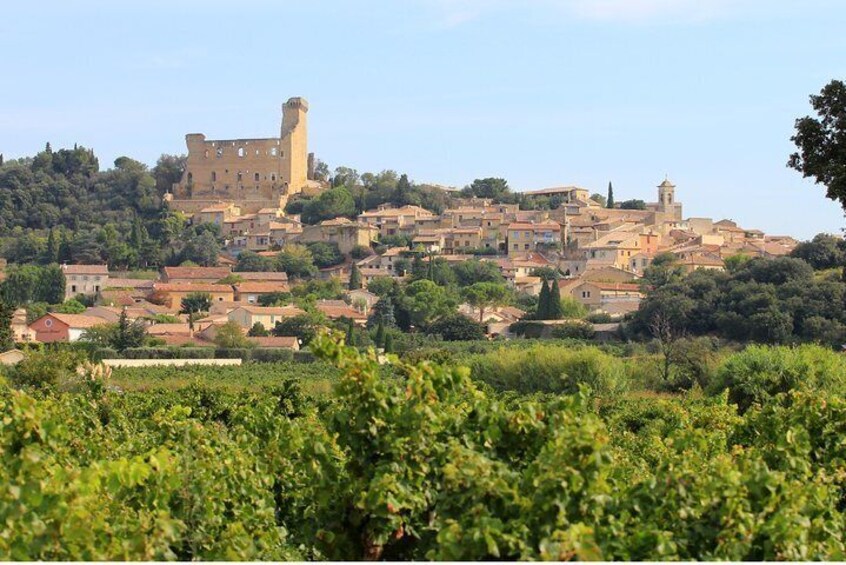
[822, 142]
[823, 252]
[71, 306]
[258, 330]
[382, 286]
[302, 326]
[542, 312]
[250, 261]
[350, 333]
[474, 270]
[389, 343]
[279, 298]
[457, 327]
[296, 261]
[168, 171]
[382, 313]
[195, 304]
[599, 199]
[379, 338]
[609, 202]
[355, 278]
[555, 311]
[7, 336]
[325, 254]
[494, 188]
[485, 295]
[331, 204]
[663, 270]
[202, 249]
[426, 301]
[128, 334]
[633, 204]
[230, 336]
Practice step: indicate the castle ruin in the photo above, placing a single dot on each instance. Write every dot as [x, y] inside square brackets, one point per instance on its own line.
[253, 174]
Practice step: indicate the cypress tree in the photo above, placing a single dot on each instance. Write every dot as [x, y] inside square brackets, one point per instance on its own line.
[389, 343]
[7, 337]
[431, 272]
[610, 199]
[51, 255]
[543, 302]
[380, 335]
[555, 311]
[350, 339]
[355, 278]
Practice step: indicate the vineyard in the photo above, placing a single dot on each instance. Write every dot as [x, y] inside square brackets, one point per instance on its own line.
[527, 453]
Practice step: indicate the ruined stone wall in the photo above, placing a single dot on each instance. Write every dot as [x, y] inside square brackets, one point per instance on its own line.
[253, 173]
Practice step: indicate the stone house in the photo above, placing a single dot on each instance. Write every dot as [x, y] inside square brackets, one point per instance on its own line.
[85, 279]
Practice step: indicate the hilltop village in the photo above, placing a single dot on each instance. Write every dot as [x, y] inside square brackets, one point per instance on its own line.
[595, 253]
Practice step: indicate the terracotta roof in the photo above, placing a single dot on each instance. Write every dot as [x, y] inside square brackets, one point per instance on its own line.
[554, 226]
[169, 329]
[259, 276]
[77, 320]
[261, 287]
[283, 341]
[333, 309]
[128, 283]
[215, 273]
[85, 269]
[192, 287]
[289, 311]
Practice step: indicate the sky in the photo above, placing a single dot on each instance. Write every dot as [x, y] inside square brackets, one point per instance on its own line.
[540, 92]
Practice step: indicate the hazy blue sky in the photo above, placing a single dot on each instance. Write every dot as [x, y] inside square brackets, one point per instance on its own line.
[541, 92]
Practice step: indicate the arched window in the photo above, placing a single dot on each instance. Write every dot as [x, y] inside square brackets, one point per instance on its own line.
[241, 152]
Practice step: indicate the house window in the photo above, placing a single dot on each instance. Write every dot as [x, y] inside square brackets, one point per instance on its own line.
[73, 288]
[516, 247]
[526, 246]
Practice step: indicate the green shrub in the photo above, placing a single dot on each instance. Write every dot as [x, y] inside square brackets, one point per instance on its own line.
[573, 330]
[271, 355]
[169, 353]
[760, 372]
[232, 353]
[545, 368]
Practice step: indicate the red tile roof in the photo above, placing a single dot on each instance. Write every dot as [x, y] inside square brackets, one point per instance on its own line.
[85, 269]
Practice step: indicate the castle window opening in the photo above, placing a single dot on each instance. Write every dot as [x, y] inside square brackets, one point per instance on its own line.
[214, 176]
[256, 177]
[206, 154]
[240, 176]
[190, 177]
[219, 152]
[241, 152]
[273, 177]
[273, 151]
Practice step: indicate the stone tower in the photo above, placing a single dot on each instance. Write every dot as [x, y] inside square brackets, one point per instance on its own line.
[666, 195]
[667, 203]
[294, 147]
